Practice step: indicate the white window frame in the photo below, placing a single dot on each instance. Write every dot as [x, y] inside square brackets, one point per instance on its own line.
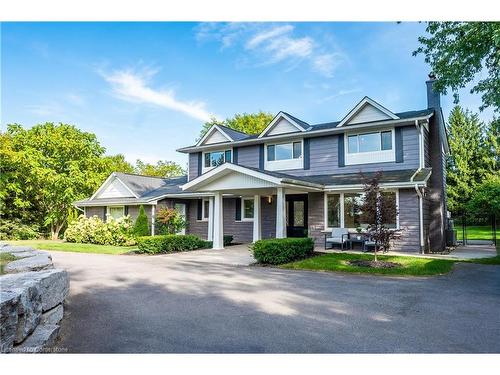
[206, 169]
[381, 156]
[281, 165]
[243, 199]
[108, 214]
[203, 218]
[342, 222]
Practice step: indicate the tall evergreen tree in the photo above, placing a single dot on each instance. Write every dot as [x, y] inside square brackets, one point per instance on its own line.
[467, 164]
[493, 145]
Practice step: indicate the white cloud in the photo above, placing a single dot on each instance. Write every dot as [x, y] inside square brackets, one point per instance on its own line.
[133, 87]
[76, 99]
[338, 94]
[271, 44]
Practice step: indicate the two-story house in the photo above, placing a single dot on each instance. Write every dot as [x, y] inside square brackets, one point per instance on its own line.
[300, 179]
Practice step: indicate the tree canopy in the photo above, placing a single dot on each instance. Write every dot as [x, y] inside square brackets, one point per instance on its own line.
[250, 123]
[460, 53]
[162, 168]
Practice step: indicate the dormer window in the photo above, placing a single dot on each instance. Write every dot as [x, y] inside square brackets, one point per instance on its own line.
[282, 156]
[213, 159]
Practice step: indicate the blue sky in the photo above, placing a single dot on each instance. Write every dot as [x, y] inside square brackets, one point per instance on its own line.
[146, 88]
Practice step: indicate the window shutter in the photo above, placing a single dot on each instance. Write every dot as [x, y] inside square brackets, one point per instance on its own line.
[200, 163]
[105, 211]
[126, 210]
[237, 215]
[261, 156]
[199, 210]
[235, 155]
[306, 154]
[398, 137]
[340, 148]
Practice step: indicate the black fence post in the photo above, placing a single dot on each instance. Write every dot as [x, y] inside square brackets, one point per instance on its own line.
[494, 229]
[464, 240]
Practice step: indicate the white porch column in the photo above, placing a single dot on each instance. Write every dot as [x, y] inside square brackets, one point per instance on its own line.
[210, 234]
[153, 220]
[256, 218]
[218, 240]
[280, 213]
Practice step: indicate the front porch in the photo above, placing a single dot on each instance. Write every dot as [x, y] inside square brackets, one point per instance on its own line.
[262, 205]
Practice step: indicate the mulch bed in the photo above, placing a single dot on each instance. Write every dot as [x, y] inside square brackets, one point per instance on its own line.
[373, 264]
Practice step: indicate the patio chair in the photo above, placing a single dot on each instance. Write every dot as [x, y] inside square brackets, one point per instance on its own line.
[339, 236]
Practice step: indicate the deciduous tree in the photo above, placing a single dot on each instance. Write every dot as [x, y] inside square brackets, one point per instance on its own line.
[250, 123]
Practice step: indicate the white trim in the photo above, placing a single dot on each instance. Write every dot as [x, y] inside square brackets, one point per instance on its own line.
[218, 240]
[243, 199]
[280, 213]
[285, 164]
[206, 169]
[380, 156]
[210, 131]
[312, 133]
[389, 185]
[360, 105]
[203, 218]
[210, 234]
[276, 119]
[108, 181]
[421, 218]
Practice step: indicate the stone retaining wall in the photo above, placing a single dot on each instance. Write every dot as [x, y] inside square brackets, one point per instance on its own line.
[32, 294]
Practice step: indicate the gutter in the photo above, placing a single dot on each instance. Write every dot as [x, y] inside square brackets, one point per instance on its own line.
[312, 133]
[421, 217]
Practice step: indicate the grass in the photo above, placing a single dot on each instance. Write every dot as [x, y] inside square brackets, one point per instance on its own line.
[73, 247]
[410, 266]
[4, 259]
[475, 232]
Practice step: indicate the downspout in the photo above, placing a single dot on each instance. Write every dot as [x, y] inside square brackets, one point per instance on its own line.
[153, 219]
[421, 217]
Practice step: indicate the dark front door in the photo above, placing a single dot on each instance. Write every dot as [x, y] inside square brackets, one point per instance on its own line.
[296, 218]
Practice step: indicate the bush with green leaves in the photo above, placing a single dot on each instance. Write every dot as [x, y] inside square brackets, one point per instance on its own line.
[228, 239]
[116, 232]
[141, 225]
[169, 243]
[169, 221]
[16, 230]
[282, 250]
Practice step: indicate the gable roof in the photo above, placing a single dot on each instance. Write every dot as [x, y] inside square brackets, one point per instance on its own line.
[366, 101]
[298, 124]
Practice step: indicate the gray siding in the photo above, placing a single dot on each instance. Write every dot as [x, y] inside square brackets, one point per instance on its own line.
[316, 219]
[193, 166]
[95, 211]
[268, 214]
[408, 222]
[195, 226]
[248, 156]
[242, 231]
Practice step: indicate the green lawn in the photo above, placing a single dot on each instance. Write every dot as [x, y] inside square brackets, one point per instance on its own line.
[74, 247]
[411, 266]
[4, 259]
[475, 232]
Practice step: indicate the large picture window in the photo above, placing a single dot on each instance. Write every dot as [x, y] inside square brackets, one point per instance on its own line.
[215, 158]
[282, 156]
[345, 210]
[373, 147]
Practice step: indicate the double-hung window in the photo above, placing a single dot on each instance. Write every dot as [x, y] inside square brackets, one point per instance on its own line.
[116, 212]
[280, 156]
[373, 147]
[247, 205]
[213, 159]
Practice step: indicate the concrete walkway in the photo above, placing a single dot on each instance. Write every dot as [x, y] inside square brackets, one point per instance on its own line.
[210, 302]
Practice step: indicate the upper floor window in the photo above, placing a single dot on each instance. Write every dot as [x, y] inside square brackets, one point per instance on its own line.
[213, 159]
[374, 147]
[282, 156]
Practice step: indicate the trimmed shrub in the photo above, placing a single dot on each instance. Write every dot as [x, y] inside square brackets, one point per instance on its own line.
[169, 243]
[282, 250]
[141, 225]
[228, 239]
[15, 230]
[94, 230]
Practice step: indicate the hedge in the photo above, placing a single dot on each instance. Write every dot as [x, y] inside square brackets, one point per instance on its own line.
[169, 243]
[282, 250]
[228, 239]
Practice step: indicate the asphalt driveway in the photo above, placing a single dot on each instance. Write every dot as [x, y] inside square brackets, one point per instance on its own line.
[203, 301]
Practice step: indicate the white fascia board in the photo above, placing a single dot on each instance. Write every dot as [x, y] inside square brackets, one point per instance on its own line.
[389, 185]
[313, 133]
[231, 167]
[210, 131]
[180, 196]
[366, 100]
[111, 178]
[278, 117]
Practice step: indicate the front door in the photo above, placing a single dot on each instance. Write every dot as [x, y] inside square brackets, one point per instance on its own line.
[296, 218]
[181, 209]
